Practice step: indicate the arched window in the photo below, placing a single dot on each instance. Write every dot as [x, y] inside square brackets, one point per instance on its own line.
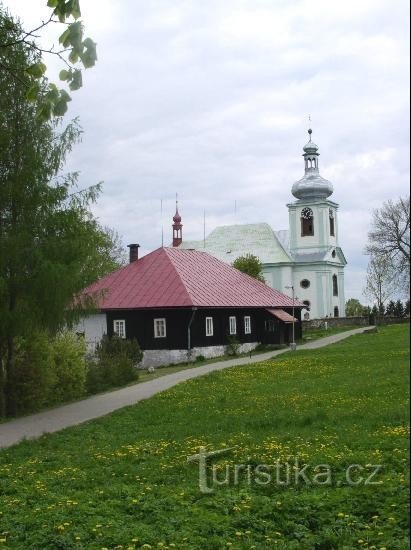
[336, 312]
[307, 222]
[335, 285]
[332, 223]
[307, 304]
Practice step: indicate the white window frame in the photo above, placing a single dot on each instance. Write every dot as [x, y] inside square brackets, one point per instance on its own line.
[119, 327]
[160, 328]
[209, 326]
[232, 324]
[247, 324]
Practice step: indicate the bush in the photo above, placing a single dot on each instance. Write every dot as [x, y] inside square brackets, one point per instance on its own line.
[34, 373]
[48, 371]
[113, 364]
[69, 367]
[233, 345]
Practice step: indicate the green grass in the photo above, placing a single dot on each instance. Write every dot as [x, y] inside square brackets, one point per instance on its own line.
[123, 481]
[316, 333]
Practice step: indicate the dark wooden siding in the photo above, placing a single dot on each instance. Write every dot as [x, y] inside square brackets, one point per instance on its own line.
[140, 325]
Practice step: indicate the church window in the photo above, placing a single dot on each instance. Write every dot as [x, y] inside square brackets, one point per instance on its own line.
[305, 283]
[332, 223]
[307, 304]
[336, 312]
[335, 285]
[307, 222]
[333, 253]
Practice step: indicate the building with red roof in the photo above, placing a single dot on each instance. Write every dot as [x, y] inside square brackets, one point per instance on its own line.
[181, 303]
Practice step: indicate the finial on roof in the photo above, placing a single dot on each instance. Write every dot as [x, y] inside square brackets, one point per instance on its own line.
[309, 126]
[177, 226]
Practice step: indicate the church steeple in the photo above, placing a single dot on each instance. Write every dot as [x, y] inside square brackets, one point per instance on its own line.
[312, 185]
[177, 227]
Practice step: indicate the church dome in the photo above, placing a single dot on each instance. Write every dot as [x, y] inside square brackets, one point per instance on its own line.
[312, 185]
[177, 217]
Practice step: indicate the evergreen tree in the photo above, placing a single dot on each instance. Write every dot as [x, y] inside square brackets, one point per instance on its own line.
[407, 308]
[390, 311]
[398, 309]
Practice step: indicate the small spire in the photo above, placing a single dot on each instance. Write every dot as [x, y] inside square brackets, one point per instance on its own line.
[177, 227]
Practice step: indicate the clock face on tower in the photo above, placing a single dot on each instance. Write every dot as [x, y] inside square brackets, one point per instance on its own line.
[306, 213]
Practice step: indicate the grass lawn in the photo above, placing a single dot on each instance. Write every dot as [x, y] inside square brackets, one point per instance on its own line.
[316, 333]
[124, 482]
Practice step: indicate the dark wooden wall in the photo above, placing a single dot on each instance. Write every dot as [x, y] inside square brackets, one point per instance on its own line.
[140, 325]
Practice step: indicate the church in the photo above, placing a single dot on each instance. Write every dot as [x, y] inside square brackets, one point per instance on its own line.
[305, 260]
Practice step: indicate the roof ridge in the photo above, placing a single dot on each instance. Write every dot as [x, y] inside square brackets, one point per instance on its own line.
[171, 258]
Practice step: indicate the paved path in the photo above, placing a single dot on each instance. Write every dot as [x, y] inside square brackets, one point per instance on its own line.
[93, 407]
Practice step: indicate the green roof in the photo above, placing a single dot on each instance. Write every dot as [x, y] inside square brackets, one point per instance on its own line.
[228, 242]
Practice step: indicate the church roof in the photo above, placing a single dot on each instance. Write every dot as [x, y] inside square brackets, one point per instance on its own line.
[228, 242]
[174, 277]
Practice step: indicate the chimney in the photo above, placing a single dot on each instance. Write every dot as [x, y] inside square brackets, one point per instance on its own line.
[133, 252]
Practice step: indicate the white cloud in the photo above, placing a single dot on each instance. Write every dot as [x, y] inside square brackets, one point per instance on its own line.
[211, 99]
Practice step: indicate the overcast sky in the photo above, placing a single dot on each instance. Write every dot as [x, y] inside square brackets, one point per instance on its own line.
[210, 100]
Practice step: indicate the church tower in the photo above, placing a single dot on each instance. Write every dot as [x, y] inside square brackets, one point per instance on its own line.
[318, 276]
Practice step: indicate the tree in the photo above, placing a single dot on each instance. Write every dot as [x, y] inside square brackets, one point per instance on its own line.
[407, 309]
[398, 309]
[390, 310]
[381, 280]
[354, 308]
[50, 244]
[390, 237]
[251, 265]
[74, 51]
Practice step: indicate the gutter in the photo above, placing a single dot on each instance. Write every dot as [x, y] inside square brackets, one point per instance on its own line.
[189, 330]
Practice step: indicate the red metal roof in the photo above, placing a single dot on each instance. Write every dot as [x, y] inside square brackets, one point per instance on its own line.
[282, 315]
[174, 277]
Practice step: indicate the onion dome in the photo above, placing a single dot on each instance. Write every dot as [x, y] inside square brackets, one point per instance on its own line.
[176, 217]
[312, 185]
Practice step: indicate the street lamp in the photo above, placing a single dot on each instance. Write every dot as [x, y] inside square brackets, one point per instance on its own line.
[293, 345]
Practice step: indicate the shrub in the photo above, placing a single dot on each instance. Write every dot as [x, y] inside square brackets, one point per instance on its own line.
[34, 372]
[233, 345]
[200, 358]
[69, 367]
[114, 364]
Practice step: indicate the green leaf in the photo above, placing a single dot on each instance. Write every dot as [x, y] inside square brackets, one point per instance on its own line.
[60, 108]
[37, 70]
[64, 95]
[32, 92]
[52, 3]
[89, 56]
[44, 112]
[64, 74]
[65, 38]
[75, 10]
[77, 80]
[73, 56]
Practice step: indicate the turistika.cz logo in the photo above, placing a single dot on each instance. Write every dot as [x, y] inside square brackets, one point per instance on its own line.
[292, 472]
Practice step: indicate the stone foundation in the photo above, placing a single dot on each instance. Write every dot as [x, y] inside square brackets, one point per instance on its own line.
[335, 322]
[163, 357]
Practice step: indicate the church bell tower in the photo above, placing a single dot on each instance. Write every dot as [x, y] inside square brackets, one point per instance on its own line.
[318, 261]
